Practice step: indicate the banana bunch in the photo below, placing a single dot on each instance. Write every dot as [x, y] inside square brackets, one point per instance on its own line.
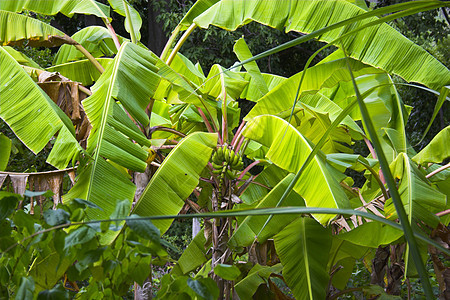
[225, 157]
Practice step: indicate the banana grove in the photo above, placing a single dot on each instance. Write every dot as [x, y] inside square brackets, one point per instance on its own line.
[150, 137]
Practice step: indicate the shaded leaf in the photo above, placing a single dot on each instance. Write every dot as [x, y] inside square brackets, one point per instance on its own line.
[26, 289]
[56, 217]
[79, 236]
[206, 288]
[303, 247]
[144, 228]
[227, 272]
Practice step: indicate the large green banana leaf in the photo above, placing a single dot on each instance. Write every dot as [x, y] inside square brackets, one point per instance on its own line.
[81, 70]
[234, 83]
[243, 52]
[269, 177]
[289, 149]
[95, 39]
[324, 75]
[372, 234]
[420, 199]
[251, 91]
[32, 115]
[437, 150]
[303, 248]
[193, 256]
[52, 7]
[251, 226]
[133, 21]
[15, 29]
[130, 79]
[21, 58]
[313, 124]
[400, 55]
[176, 178]
[198, 8]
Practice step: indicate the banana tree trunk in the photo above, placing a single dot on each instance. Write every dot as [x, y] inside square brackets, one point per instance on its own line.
[141, 180]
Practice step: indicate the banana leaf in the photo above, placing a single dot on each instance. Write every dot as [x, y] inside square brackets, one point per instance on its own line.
[250, 227]
[21, 58]
[52, 7]
[251, 91]
[193, 256]
[234, 83]
[15, 29]
[198, 8]
[5, 151]
[133, 21]
[176, 178]
[303, 248]
[130, 79]
[243, 52]
[313, 124]
[420, 199]
[400, 55]
[437, 150]
[33, 116]
[81, 70]
[96, 39]
[289, 149]
[324, 75]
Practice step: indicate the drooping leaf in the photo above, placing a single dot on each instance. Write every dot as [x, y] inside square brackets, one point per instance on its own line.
[193, 256]
[420, 199]
[400, 55]
[251, 91]
[289, 149]
[81, 70]
[303, 247]
[176, 178]
[144, 228]
[52, 7]
[437, 150]
[198, 8]
[324, 75]
[131, 79]
[21, 28]
[33, 116]
[95, 39]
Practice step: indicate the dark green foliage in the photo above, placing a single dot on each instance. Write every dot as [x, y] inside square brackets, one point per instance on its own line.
[100, 271]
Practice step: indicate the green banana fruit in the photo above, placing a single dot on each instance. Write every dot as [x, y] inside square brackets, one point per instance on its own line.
[226, 154]
[217, 166]
[220, 154]
[215, 159]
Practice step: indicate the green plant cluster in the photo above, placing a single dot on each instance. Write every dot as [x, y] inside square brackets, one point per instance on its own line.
[36, 248]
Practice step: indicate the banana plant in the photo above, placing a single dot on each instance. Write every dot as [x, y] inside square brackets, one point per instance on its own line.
[164, 117]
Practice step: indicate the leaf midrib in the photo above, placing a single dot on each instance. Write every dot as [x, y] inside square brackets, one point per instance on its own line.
[105, 115]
